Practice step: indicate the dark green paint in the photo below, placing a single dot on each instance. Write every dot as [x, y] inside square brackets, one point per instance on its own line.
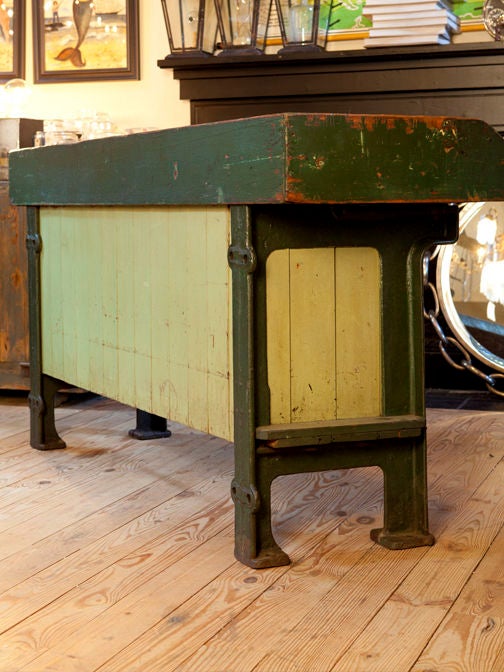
[43, 388]
[273, 159]
[396, 443]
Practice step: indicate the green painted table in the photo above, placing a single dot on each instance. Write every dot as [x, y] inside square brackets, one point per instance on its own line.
[257, 279]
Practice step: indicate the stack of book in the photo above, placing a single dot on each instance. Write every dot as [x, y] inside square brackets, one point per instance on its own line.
[401, 22]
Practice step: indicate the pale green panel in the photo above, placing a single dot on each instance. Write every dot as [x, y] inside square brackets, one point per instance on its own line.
[52, 310]
[93, 337]
[175, 314]
[109, 309]
[161, 392]
[197, 311]
[74, 311]
[220, 355]
[143, 277]
[77, 313]
[144, 297]
[194, 314]
[125, 245]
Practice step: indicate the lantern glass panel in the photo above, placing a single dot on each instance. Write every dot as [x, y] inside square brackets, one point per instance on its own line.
[191, 25]
[243, 23]
[305, 23]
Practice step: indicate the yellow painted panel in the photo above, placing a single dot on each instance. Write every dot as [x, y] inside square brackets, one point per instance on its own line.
[312, 327]
[358, 333]
[144, 297]
[324, 339]
[278, 320]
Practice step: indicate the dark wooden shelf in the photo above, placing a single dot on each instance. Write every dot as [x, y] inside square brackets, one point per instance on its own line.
[434, 51]
[454, 80]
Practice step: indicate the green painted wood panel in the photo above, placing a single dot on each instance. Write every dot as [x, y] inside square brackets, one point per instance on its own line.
[324, 335]
[136, 306]
[310, 158]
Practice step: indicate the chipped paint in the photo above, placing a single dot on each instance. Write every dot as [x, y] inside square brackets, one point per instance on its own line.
[318, 162]
[326, 157]
[370, 122]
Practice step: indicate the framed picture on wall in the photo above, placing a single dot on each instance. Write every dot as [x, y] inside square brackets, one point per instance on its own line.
[12, 39]
[84, 40]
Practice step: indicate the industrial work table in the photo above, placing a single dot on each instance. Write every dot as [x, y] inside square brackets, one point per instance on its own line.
[260, 280]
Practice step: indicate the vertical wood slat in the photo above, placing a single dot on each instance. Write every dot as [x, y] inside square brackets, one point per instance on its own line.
[220, 346]
[144, 275]
[143, 295]
[51, 311]
[109, 299]
[324, 343]
[358, 337]
[196, 311]
[95, 328]
[162, 394]
[125, 292]
[313, 356]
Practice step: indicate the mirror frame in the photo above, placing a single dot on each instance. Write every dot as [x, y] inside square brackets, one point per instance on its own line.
[444, 257]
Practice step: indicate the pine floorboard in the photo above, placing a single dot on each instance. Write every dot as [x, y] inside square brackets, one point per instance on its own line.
[116, 555]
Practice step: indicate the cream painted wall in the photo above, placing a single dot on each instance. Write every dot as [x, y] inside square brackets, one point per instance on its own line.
[151, 102]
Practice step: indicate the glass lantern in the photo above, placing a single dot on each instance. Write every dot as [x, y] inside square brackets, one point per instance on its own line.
[243, 25]
[305, 24]
[191, 26]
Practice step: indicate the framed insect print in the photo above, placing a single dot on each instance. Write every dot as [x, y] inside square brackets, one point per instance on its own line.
[79, 40]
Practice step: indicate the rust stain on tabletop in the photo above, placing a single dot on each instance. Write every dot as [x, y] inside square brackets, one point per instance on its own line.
[370, 122]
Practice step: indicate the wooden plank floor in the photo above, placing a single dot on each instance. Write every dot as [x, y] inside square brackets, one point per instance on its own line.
[117, 556]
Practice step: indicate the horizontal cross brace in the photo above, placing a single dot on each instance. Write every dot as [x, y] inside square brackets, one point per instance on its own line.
[333, 431]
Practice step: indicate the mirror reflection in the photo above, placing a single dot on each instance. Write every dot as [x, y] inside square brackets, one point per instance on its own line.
[470, 282]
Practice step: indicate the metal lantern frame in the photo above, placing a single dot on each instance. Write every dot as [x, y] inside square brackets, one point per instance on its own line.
[206, 30]
[316, 37]
[260, 16]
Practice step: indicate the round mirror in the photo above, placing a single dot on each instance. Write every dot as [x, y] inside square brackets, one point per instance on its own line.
[470, 282]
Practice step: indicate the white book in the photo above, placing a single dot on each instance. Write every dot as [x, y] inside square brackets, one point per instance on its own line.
[405, 32]
[405, 8]
[426, 17]
[418, 4]
[406, 40]
[450, 22]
